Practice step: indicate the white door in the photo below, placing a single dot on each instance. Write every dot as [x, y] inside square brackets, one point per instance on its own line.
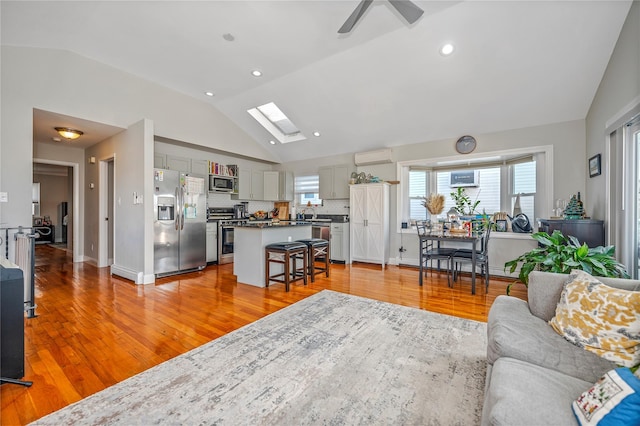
[375, 223]
[358, 206]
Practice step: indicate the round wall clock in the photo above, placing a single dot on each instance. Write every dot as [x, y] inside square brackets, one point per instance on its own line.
[466, 144]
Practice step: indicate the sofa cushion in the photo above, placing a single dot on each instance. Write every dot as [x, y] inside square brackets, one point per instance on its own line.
[514, 332]
[601, 319]
[613, 400]
[525, 394]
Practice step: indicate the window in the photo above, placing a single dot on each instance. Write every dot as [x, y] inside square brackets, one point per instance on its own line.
[487, 191]
[276, 122]
[307, 189]
[523, 182]
[495, 181]
[418, 188]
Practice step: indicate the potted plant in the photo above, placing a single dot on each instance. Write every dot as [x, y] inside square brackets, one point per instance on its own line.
[464, 205]
[561, 254]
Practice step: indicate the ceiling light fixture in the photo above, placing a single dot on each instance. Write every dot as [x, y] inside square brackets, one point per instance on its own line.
[272, 142]
[316, 134]
[256, 73]
[447, 49]
[211, 94]
[69, 133]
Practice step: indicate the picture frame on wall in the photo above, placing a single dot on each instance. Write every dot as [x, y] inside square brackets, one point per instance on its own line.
[501, 225]
[594, 166]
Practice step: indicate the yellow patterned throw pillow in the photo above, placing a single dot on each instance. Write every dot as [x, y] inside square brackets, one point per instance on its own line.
[601, 319]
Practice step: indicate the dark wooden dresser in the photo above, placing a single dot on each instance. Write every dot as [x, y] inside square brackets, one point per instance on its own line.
[590, 231]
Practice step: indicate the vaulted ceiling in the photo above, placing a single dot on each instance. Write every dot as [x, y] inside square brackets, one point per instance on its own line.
[515, 64]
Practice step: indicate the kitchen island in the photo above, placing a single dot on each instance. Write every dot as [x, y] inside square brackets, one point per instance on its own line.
[250, 240]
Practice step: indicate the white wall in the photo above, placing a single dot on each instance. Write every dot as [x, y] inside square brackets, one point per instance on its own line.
[569, 169]
[618, 88]
[66, 83]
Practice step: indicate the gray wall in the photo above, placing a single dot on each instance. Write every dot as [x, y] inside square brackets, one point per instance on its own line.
[66, 83]
[569, 171]
[620, 87]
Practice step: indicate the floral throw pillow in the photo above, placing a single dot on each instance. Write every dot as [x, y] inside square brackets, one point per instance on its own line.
[613, 400]
[601, 319]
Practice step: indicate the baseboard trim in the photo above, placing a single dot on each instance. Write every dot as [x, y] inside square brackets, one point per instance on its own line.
[135, 276]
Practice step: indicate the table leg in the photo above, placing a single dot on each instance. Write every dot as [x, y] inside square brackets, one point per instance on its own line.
[421, 263]
[473, 267]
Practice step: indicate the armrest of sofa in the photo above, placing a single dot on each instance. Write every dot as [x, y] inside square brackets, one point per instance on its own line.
[544, 292]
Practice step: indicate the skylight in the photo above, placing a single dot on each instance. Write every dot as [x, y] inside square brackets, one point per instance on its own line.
[276, 122]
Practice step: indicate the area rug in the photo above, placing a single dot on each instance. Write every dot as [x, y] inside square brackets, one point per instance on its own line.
[331, 359]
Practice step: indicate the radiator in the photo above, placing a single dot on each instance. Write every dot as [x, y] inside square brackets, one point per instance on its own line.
[23, 260]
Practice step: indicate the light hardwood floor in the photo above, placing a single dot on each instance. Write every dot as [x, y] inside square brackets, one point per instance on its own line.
[93, 330]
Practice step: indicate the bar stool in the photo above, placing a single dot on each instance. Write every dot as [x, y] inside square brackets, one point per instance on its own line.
[318, 251]
[286, 253]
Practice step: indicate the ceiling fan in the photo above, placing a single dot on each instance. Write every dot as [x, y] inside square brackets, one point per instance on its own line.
[406, 8]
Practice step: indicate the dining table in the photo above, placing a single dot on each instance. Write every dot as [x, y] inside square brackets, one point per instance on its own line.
[438, 236]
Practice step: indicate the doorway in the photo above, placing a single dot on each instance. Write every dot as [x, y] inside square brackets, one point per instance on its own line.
[106, 212]
[58, 204]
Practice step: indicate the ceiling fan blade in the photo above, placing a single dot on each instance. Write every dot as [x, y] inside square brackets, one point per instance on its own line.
[407, 9]
[355, 16]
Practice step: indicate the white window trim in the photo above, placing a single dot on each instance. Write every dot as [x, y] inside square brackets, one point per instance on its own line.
[544, 178]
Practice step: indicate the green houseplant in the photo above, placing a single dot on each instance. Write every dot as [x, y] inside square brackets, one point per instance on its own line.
[561, 254]
[464, 205]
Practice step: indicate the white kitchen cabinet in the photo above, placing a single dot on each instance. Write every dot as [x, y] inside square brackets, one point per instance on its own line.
[200, 167]
[159, 161]
[278, 186]
[182, 164]
[212, 242]
[334, 182]
[250, 185]
[339, 242]
[369, 223]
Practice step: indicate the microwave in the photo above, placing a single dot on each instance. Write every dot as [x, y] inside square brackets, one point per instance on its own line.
[220, 184]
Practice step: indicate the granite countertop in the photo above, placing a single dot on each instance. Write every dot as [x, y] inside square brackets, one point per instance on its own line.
[281, 224]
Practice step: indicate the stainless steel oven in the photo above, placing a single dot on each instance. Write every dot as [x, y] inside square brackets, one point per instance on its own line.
[225, 241]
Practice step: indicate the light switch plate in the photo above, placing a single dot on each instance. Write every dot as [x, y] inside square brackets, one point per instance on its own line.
[4, 197]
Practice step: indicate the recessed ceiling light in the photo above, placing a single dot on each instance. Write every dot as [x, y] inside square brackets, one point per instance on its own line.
[209, 93]
[256, 73]
[56, 139]
[228, 37]
[272, 142]
[447, 49]
[316, 133]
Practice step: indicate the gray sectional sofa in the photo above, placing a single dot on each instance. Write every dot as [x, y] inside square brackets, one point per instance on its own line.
[533, 373]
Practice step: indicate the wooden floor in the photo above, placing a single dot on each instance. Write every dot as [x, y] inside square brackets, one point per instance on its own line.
[93, 330]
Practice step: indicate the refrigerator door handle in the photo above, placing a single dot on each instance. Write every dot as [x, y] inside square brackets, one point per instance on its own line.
[182, 207]
[177, 219]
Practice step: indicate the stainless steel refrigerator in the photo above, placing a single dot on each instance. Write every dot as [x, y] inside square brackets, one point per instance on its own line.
[179, 223]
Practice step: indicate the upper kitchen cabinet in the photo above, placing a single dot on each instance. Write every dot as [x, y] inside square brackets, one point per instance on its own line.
[160, 161]
[278, 186]
[200, 167]
[250, 185]
[334, 182]
[182, 164]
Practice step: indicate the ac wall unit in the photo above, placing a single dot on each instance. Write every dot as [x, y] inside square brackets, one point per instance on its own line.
[380, 156]
[465, 178]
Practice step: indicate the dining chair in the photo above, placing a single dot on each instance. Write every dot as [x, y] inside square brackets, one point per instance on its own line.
[431, 252]
[461, 256]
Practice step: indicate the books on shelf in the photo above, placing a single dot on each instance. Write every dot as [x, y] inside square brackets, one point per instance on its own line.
[223, 169]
